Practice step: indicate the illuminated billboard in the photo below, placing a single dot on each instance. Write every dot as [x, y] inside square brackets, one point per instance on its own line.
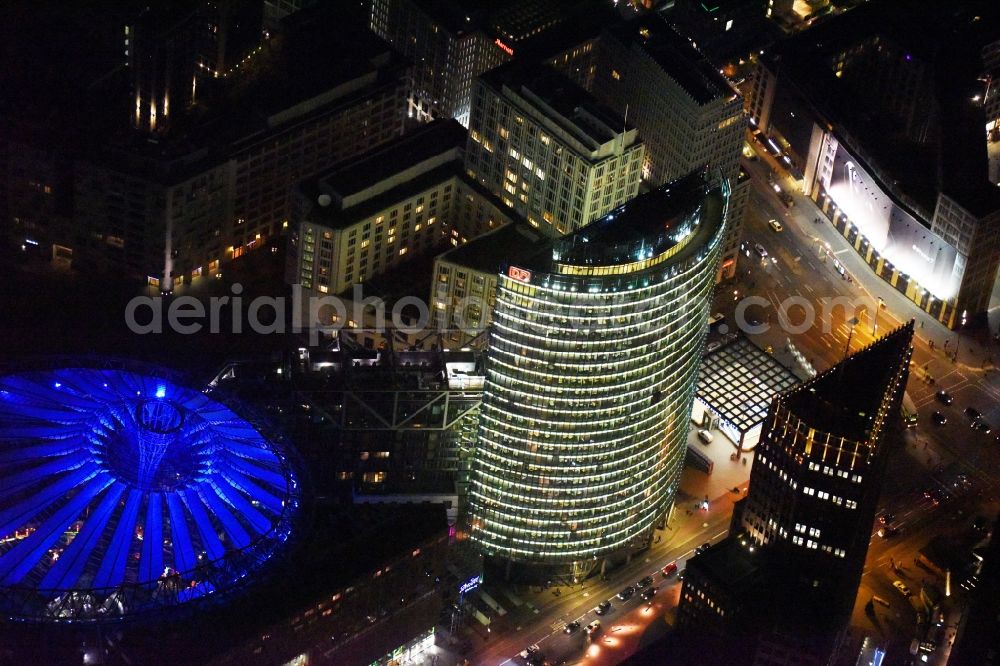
[892, 231]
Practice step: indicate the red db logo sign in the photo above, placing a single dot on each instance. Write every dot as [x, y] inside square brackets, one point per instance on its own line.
[519, 274]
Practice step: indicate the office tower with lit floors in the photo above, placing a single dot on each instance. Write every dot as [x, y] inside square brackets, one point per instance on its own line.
[687, 112]
[800, 537]
[820, 465]
[593, 356]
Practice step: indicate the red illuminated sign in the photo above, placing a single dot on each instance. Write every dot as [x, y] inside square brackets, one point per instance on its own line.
[503, 47]
[519, 274]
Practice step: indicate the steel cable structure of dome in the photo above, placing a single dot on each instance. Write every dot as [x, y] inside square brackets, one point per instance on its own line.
[122, 492]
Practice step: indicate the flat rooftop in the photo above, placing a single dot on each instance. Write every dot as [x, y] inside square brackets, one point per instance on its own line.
[945, 38]
[730, 565]
[487, 253]
[739, 381]
[562, 101]
[677, 57]
[409, 150]
[648, 223]
[511, 20]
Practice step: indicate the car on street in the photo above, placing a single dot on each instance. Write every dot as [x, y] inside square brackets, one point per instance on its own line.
[593, 627]
[705, 436]
[901, 587]
[571, 627]
[939, 419]
[602, 607]
[775, 225]
[935, 495]
[981, 524]
[530, 651]
[760, 250]
[648, 593]
[982, 426]
[887, 532]
[627, 593]
[973, 413]
[645, 582]
[669, 570]
[886, 518]
[944, 397]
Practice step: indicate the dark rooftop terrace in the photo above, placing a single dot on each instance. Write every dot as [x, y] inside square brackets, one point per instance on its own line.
[511, 243]
[359, 173]
[677, 57]
[650, 221]
[845, 399]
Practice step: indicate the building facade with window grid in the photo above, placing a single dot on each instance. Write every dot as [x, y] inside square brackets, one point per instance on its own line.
[821, 462]
[591, 369]
[686, 111]
[544, 146]
[368, 215]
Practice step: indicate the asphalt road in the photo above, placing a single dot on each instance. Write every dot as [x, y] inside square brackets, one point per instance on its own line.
[629, 623]
[933, 455]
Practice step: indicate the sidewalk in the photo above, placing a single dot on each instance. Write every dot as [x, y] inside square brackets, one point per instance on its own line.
[726, 475]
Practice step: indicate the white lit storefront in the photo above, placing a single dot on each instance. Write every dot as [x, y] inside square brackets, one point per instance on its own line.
[891, 238]
[411, 654]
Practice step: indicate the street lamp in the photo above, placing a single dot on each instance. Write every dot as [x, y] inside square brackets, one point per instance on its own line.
[853, 321]
[958, 333]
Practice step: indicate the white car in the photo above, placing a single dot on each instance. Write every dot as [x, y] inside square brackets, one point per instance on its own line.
[760, 250]
[705, 436]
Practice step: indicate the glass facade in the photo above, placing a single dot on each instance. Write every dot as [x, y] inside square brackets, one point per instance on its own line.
[590, 377]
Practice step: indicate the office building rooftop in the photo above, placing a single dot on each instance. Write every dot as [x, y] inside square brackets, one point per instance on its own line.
[562, 102]
[646, 226]
[509, 20]
[357, 187]
[845, 399]
[942, 43]
[489, 252]
[435, 142]
[677, 57]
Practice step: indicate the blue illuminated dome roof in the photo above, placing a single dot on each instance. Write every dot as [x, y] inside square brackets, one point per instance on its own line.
[121, 492]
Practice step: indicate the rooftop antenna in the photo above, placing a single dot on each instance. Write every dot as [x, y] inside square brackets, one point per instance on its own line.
[624, 127]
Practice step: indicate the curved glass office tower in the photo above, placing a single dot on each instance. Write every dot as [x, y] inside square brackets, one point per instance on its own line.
[592, 363]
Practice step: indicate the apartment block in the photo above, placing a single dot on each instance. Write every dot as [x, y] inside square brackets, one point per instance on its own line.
[366, 216]
[548, 150]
